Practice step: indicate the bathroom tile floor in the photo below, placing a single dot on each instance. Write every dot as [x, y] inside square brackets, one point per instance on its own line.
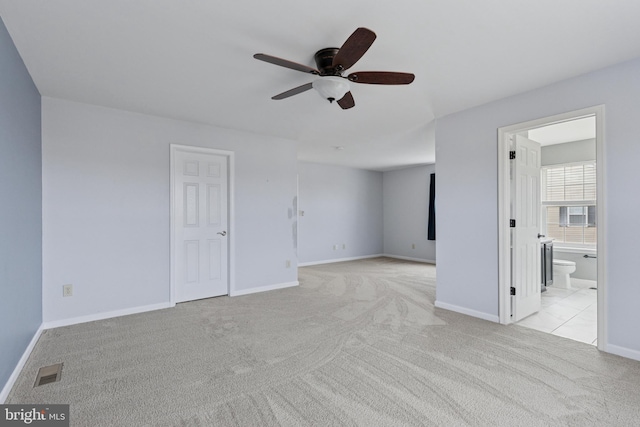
[569, 313]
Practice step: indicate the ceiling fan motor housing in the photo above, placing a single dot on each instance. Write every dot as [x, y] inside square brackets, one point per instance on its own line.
[324, 61]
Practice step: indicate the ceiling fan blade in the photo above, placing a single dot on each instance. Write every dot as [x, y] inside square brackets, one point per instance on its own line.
[285, 63]
[347, 101]
[294, 91]
[381, 78]
[353, 49]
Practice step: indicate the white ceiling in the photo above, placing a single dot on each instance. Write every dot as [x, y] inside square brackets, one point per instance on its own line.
[192, 60]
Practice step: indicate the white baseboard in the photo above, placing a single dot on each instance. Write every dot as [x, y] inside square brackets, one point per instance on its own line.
[106, 315]
[331, 261]
[263, 289]
[468, 311]
[23, 360]
[424, 260]
[623, 351]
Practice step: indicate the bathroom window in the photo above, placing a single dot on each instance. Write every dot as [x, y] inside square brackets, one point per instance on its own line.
[569, 203]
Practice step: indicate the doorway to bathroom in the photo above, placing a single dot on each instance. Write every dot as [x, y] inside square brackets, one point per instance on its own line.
[550, 191]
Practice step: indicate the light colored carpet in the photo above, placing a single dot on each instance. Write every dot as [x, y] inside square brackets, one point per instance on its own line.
[357, 343]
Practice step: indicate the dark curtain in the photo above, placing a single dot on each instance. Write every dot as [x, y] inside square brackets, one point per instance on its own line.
[431, 230]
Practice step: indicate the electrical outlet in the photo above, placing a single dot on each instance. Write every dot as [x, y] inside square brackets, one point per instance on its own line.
[287, 263]
[413, 246]
[335, 247]
[67, 290]
[344, 246]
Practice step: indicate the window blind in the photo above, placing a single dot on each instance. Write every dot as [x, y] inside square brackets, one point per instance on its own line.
[569, 200]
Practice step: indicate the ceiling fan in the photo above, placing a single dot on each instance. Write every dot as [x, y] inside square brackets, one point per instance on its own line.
[332, 62]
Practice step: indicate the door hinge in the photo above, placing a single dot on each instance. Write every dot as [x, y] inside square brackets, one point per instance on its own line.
[512, 155]
[513, 290]
[512, 223]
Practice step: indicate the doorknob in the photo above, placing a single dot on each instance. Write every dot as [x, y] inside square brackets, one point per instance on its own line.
[222, 233]
[541, 235]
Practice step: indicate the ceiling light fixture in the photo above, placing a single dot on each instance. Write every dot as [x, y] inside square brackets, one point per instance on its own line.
[331, 87]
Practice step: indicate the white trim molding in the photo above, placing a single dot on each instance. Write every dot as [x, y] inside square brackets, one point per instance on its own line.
[23, 360]
[567, 250]
[106, 315]
[331, 261]
[406, 258]
[622, 351]
[463, 310]
[258, 289]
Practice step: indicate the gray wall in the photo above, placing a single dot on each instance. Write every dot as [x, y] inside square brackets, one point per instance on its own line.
[106, 213]
[341, 206]
[466, 149]
[569, 152]
[406, 213]
[20, 208]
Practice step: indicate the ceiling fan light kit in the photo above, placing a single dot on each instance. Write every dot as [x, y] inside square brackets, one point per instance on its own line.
[332, 88]
[331, 63]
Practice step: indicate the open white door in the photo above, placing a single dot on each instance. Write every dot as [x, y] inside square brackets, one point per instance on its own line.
[525, 251]
[200, 197]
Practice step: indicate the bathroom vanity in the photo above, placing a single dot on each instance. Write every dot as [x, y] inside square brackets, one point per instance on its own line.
[546, 263]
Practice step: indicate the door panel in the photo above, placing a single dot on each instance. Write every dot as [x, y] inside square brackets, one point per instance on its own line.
[526, 244]
[201, 219]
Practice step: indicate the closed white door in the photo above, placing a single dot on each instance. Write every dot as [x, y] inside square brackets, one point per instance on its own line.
[200, 225]
[526, 275]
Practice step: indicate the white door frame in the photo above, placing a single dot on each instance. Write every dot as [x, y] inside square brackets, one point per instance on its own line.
[230, 211]
[504, 200]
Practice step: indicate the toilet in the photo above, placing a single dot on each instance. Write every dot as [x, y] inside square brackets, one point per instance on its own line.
[561, 273]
